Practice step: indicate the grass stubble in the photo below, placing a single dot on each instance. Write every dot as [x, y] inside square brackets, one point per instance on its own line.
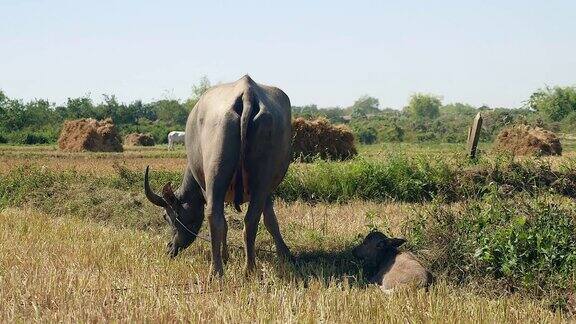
[70, 269]
[67, 261]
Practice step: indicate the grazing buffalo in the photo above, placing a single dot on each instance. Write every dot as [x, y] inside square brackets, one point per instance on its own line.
[175, 137]
[238, 147]
[391, 268]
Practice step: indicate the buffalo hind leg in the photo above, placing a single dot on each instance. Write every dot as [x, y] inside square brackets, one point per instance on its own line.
[251, 221]
[271, 223]
[225, 243]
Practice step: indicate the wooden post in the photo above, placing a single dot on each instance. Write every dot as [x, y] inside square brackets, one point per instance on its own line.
[474, 135]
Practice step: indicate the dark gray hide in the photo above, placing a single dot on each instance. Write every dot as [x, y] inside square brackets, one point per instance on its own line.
[238, 139]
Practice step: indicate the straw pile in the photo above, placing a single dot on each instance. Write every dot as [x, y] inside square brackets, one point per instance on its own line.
[319, 138]
[139, 139]
[89, 135]
[528, 140]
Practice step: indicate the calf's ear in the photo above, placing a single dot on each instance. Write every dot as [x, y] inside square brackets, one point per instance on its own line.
[396, 242]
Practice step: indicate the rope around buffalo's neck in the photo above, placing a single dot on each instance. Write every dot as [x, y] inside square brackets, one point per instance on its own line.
[210, 241]
[191, 232]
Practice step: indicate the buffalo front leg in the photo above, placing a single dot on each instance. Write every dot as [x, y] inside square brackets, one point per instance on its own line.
[215, 211]
[271, 223]
[251, 221]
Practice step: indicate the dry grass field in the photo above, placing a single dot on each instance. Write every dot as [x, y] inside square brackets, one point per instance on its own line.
[85, 252]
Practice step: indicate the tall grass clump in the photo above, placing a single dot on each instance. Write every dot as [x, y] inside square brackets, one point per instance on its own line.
[530, 175]
[421, 178]
[32, 183]
[399, 178]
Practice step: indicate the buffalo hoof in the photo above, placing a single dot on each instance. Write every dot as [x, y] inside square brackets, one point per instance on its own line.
[216, 272]
[172, 250]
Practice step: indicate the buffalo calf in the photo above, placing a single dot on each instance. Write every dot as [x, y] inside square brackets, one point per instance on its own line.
[390, 268]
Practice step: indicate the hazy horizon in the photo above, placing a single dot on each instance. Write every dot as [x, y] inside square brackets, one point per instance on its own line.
[323, 53]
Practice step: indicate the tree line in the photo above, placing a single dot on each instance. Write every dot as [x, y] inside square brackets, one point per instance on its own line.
[39, 121]
[424, 118]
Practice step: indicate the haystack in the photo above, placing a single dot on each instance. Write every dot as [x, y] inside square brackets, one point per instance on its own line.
[139, 139]
[528, 140]
[320, 138]
[89, 135]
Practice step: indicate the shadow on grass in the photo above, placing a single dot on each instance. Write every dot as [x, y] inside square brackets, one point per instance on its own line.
[328, 267]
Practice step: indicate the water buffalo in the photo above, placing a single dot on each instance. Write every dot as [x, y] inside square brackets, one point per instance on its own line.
[238, 147]
[391, 268]
[175, 137]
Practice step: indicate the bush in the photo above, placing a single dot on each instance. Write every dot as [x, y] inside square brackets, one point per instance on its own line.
[554, 103]
[392, 133]
[526, 242]
[426, 137]
[399, 178]
[367, 136]
[420, 178]
[32, 138]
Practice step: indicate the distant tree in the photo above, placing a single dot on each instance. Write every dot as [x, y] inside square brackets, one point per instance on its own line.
[424, 106]
[364, 106]
[458, 109]
[12, 113]
[392, 133]
[358, 113]
[39, 113]
[307, 111]
[77, 108]
[142, 111]
[334, 114]
[554, 103]
[367, 135]
[110, 108]
[197, 91]
[171, 112]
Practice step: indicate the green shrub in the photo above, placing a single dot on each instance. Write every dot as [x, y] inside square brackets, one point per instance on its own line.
[31, 183]
[30, 137]
[35, 138]
[399, 178]
[526, 242]
[367, 136]
[391, 133]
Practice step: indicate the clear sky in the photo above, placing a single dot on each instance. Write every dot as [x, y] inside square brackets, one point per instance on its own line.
[323, 52]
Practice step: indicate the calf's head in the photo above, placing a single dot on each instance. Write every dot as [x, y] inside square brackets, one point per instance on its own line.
[184, 217]
[376, 247]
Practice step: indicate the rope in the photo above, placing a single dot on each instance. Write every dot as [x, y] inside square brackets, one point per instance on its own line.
[210, 241]
[191, 232]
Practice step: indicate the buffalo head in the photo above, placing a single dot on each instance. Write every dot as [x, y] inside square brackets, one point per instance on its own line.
[184, 215]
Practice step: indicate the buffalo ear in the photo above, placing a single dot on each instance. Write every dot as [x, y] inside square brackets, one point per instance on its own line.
[168, 193]
[396, 242]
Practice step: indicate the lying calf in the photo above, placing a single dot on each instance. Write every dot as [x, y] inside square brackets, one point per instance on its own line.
[391, 267]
